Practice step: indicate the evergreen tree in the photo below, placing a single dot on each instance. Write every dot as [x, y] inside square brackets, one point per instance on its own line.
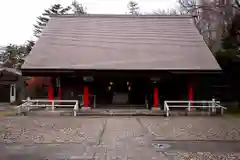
[44, 18]
[133, 7]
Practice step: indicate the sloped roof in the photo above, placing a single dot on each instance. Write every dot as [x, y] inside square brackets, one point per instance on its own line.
[10, 70]
[122, 42]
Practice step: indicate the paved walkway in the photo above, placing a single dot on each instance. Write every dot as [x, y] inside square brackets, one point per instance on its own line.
[113, 138]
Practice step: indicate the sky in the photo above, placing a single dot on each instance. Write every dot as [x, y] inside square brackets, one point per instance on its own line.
[18, 16]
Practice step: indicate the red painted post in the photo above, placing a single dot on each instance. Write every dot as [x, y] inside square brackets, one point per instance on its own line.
[50, 90]
[155, 98]
[85, 96]
[190, 95]
[50, 93]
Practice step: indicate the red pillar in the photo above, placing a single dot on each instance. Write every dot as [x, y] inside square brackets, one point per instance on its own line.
[190, 93]
[50, 90]
[85, 96]
[155, 98]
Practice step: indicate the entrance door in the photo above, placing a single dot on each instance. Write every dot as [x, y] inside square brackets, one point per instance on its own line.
[120, 93]
[4, 93]
[137, 92]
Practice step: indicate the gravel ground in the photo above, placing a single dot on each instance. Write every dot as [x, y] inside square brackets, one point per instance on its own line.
[208, 156]
[194, 128]
[48, 130]
[112, 138]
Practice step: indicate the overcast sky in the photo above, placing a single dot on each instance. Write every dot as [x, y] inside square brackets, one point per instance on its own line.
[18, 16]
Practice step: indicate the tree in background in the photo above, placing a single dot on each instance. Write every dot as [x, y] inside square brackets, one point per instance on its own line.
[56, 9]
[211, 18]
[78, 8]
[44, 18]
[15, 55]
[133, 7]
[171, 12]
[230, 48]
[229, 59]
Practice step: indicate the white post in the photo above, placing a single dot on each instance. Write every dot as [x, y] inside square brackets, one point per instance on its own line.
[221, 110]
[77, 105]
[167, 112]
[189, 105]
[53, 108]
[37, 103]
[19, 109]
[146, 101]
[164, 106]
[209, 111]
[75, 111]
[28, 101]
[76, 108]
[213, 105]
[12, 93]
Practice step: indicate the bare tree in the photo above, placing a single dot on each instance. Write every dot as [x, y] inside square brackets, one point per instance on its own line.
[168, 12]
[211, 18]
[78, 8]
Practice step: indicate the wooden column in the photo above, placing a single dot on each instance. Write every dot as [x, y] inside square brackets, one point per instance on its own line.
[155, 98]
[85, 96]
[50, 90]
[190, 95]
[59, 89]
[60, 93]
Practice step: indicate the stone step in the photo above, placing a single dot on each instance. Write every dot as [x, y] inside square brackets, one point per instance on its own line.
[99, 112]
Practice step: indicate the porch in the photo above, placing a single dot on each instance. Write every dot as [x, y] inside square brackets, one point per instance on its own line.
[128, 91]
[43, 107]
[122, 92]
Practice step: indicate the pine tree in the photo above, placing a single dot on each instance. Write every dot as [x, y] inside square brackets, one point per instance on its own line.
[44, 18]
[133, 7]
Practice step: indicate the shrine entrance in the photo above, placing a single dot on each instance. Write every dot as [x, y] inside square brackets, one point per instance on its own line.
[121, 92]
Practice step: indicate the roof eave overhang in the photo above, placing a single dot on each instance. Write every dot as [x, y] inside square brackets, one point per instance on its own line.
[49, 72]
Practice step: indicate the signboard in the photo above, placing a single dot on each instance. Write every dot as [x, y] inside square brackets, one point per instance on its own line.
[157, 79]
[88, 79]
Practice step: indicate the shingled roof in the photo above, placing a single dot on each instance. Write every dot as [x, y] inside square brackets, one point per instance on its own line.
[121, 42]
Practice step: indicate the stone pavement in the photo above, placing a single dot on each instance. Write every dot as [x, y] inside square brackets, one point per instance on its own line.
[123, 138]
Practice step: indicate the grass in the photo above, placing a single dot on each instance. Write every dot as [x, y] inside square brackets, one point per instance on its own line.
[7, 113]
[233, 111]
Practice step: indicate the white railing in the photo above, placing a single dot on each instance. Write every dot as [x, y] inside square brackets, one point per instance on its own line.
[93, 101]
[37, 103]
[211, 105]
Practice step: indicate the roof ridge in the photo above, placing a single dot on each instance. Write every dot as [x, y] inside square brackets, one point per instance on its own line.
[119, 16]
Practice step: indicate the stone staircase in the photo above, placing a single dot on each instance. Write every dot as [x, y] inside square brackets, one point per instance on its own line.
[96, 112]
[121, 112]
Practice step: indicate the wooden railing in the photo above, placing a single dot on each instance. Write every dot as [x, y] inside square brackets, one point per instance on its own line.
[210, 105]
[38, 103]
